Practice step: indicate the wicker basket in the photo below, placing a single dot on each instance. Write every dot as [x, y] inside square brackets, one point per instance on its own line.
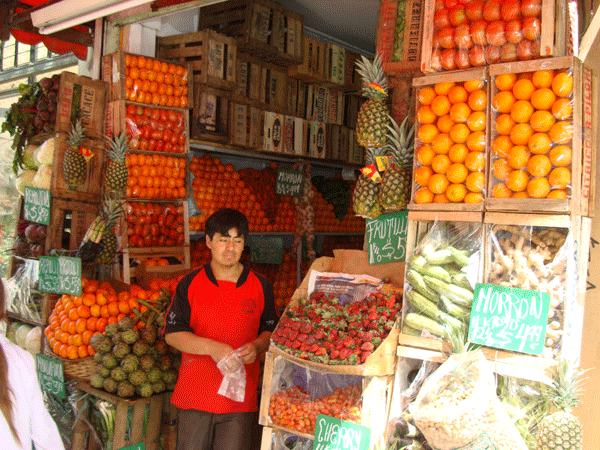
[77, 369]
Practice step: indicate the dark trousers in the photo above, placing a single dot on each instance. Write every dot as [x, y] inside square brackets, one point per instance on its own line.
[200, 430]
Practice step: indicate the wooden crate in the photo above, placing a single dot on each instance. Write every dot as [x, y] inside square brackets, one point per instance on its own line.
[312, 67]
[273, 132]
[273, 88]
[248, 75]
[246, 126]
[210, 114]
[431, 59]
[115, 71]
[353, 80]
[263, 28]
[91, 189]
[146, 418]
[118, 119]
[419, 224]
[317, 137]
[181, 253]
[430, 81]
[69, 221]
[335, 65]
[376, 394]
[403, 96]
[400, 51]
[210, 55]
[580, 192]
[82, 98]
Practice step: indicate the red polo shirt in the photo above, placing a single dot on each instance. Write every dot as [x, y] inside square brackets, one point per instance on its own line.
[232, 313]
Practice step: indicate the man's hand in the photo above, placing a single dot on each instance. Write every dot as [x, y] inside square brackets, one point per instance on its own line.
[248, 353]
[219, 350]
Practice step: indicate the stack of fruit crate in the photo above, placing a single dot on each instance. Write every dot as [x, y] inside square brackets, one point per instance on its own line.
[155, 224]
[308, 373]
[494, 141]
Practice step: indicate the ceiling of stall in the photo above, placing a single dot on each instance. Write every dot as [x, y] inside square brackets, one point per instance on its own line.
[351, 21]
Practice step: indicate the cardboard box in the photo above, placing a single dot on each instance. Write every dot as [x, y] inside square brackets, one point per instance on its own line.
[256, 127]
[274, 132]
[239, 125]
[335, 65]
[316, 145]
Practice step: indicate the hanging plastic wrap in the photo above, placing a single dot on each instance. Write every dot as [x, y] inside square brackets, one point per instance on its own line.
[458, 406]
[23, 297]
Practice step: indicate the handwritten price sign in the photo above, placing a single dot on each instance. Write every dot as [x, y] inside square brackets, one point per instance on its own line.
[266, 250]
[336, 434]
[509, 318]
[386, 237]
[50, 375]
[36, 207]
[138, 446]
[289, 183]
[60, 275]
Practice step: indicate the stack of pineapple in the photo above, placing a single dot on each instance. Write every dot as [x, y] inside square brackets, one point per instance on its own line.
[381, 136]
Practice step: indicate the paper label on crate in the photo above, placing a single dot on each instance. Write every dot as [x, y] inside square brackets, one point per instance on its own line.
[509, 318]
[288, 183]
[266, 250]
[336, 434]
[36, 205]
[50, 375]
[60, 275]
[386, 237]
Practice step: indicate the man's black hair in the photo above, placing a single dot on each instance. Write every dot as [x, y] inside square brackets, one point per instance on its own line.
[225, 219]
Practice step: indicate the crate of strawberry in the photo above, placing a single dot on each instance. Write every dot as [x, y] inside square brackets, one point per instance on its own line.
[355, 337]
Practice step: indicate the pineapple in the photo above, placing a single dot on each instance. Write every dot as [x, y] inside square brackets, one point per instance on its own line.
[373, 114]
[116, 173]
[111, 211]
[394, 192]
[365, 198]
[561, 430]
[74, 163]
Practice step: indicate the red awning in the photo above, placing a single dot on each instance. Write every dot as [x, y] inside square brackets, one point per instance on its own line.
[76, 39]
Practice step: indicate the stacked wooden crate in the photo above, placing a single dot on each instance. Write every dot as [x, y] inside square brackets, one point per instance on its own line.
[157, 160]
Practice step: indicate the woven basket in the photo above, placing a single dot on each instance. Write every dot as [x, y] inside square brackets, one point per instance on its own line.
[77, 369]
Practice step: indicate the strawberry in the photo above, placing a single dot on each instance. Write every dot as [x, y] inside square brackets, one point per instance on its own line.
[367, 346]
[333, 335]
[294, 334]
[296, 325]
[339, 345]
[329, 345]
[364, 356]
[373, 325]
[288, 343]
[334, 354]
[296, 344]
[302, 337]
[356, 351]
[304, 347]
[373, 316]
[391, 301]
[349, 342]
[319, 335]
[345, 352]
[321, 351]
[313, 348]
[306, 328]
[311, 340]
[367, 336]
[353, 360]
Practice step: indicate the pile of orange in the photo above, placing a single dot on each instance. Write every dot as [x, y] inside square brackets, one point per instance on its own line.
[532, 135]
[451, 142]
[75, 319]
[148, 80]
[155, 176]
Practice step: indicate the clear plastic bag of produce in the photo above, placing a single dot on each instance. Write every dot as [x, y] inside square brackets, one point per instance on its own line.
[540, 259]
[440, 279]
[289, 441]
[457, 406]
[22, 296]
[298, 395]
[233, 385]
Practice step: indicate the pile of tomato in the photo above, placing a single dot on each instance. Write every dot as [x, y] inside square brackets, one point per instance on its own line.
[154, 224]
[155, 129]
[155, 176]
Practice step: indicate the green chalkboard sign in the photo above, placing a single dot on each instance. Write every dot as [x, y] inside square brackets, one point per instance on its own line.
[60, 275]
[386, 237]
[36, 205]
[266, 250]
[50, 375]
[337, 434]
[138, 446]
[509, 318]
[289, 183]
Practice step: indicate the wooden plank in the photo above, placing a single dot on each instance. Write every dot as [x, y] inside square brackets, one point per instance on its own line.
[210, 114]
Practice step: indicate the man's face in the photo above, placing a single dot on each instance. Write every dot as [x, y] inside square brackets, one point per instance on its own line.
[227, 249]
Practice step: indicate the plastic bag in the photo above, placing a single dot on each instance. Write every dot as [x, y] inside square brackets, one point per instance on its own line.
[233, 385]
[22, 295]
[458, 406]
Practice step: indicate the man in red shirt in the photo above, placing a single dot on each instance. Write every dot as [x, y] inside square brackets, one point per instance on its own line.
[221, 307]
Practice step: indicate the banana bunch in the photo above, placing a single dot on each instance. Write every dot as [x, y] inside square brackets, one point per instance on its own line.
[90, 244]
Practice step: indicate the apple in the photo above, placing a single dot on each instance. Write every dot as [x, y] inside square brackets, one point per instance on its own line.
[531, 28]
[525, 50]
[531, 8]
[513, 31]
[510, 10]
[474, 10]
[462, 36]
[440, 19]
[462, 58]
[457, 15]
[446, 37]
[492, 10]
[509, 52]
[494, 33]
[477, 56]
[448, 59]
[492, 54]
[478, 32]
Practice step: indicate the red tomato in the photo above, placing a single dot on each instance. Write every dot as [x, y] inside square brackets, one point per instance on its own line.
[474, 10]
[525, 50]
[478, 32]
[492, 54]
[494, 33]
[440, 19]
[510, 10]
[448, 59]
[513, 31]
[457, 15]
[462, 58]
[462, 36]
[531, 28]
[477, 56]
[492, 10]
[531, 8]
[446, 37]
[509, 52]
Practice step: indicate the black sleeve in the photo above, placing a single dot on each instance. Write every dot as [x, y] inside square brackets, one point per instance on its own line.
[269, 318]
[179, 313]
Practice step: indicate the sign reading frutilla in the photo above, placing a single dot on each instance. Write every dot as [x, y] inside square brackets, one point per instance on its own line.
[509, 318]
[386, 237]
[36, 205]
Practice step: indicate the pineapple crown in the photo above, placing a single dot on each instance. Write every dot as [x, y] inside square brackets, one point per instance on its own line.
[566, 385]
[400, 144]
[373, 77]
[75, 135]
[372, 153]
[119, 146]
[112, 209]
